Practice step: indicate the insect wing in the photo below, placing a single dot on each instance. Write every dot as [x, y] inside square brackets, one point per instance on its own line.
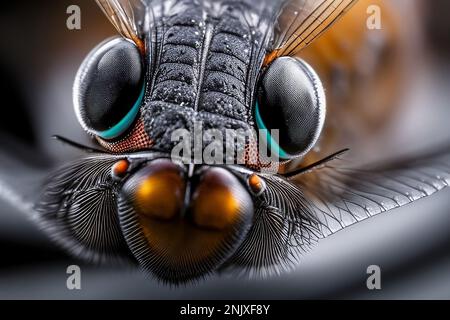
[301, 21]
[342, 196]
[126, 16]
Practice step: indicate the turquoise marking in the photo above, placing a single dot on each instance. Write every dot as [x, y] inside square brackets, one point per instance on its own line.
[126, 121]
[271, 143]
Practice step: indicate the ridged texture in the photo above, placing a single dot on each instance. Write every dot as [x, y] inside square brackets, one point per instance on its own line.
[79, 205]
[283, 228]
[207, 62]
[341, 196]
[292, 214]
[78, 209]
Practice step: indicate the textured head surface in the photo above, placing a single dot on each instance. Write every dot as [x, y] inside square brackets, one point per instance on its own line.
[204, 61]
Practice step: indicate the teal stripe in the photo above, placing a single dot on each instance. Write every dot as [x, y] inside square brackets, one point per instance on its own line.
[126, 121]
[270, 141]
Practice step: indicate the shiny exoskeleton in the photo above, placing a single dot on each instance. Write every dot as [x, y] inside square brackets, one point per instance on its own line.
[223, 65]
[204, 70]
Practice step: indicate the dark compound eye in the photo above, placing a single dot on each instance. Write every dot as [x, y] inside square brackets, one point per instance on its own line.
[291, 100]
[109, 88]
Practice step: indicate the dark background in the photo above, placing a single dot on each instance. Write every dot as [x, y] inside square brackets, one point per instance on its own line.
[38, 61]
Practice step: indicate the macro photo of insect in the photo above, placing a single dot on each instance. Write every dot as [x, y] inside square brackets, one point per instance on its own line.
[225, 149]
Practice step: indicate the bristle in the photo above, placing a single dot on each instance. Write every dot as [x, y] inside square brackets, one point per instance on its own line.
[283, 229]
[78, 210]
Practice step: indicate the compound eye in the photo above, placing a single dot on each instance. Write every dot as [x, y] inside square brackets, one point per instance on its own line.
[159, 190]
[109, 88]
[179, 240]
[220, 201]
[291, 100]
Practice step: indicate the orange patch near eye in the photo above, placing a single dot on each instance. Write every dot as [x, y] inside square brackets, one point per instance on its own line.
[270, 57]
[256, 184]
[120, 168]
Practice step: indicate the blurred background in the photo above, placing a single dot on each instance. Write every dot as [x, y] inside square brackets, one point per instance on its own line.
[407, 98]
